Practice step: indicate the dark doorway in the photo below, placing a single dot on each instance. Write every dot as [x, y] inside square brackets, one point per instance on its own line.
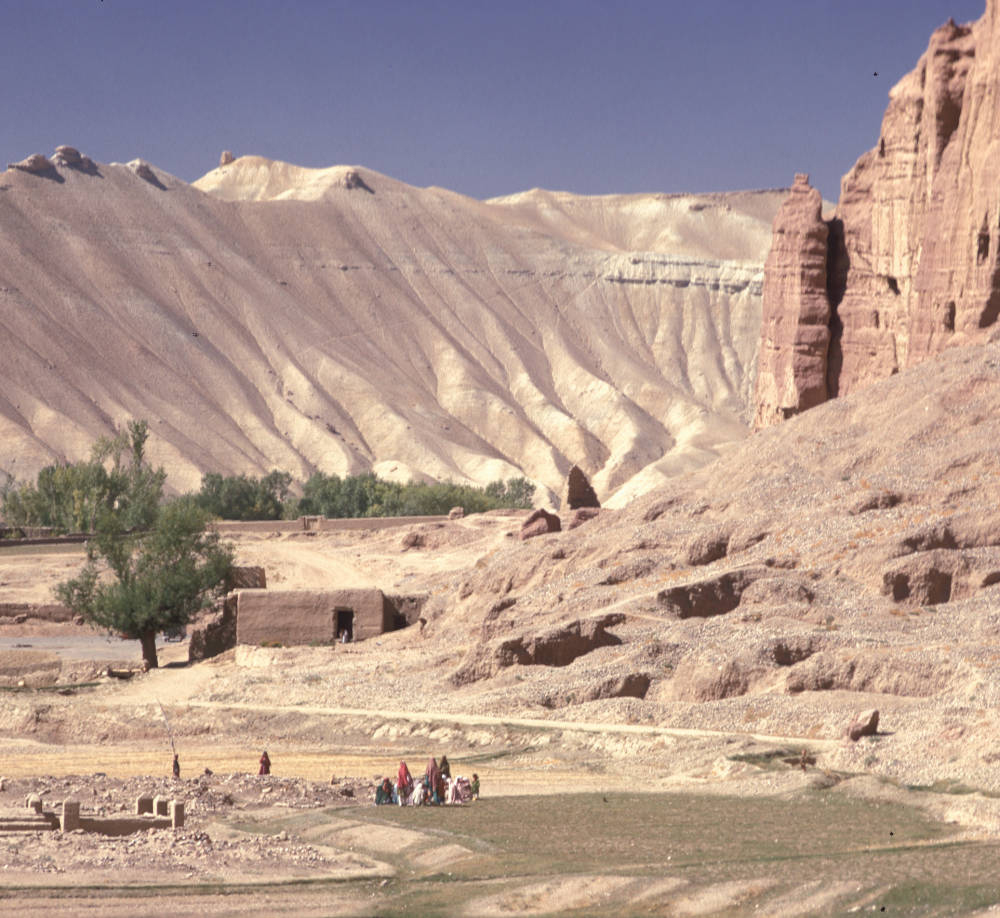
[345, 625]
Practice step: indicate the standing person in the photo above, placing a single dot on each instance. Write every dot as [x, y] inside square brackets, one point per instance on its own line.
[404, 783]
[474, 786]
[177, 766]
[265, 764]
[433, 776]
[444, 767]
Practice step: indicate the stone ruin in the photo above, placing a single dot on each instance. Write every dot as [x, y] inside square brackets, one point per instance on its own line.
[150, 813]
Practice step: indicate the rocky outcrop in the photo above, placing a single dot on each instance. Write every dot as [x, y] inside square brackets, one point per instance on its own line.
[579, 492]
[911, 261]
[67, 156]
[557, 647]
[714, 596]
[226, 158]
[35, 164]
[145, 171]
[795, 325]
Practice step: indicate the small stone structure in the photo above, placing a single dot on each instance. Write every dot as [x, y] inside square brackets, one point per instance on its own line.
[290, 617]
[150, 813]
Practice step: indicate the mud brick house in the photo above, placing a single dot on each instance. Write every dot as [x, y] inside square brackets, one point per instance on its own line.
[292, 617]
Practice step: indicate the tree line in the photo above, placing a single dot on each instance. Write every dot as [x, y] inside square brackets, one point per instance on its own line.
[70, 497]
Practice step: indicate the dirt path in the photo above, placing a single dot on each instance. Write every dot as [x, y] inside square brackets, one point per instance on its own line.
[482, 720]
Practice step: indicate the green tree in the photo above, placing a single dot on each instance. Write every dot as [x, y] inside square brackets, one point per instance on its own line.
[137, 584]
[239, 497]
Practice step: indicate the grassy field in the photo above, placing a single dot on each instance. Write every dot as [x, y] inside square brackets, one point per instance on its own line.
[594, 855]
[742, 853]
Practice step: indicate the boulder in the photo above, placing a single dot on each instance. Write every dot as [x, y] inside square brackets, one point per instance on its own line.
[226, 158]
[581, 516]
[456, 513]
[707, 547]
[579, 492]
[863, 724]
[35, 164]
[539, 523]
[412, 539]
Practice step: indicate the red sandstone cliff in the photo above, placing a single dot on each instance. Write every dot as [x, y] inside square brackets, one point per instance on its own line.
[912, 263]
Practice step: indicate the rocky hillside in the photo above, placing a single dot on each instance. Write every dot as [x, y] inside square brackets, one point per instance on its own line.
[846, 559]
[339, 320]
[910, 263]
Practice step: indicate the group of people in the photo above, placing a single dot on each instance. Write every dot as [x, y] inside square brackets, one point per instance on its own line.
[436, 786]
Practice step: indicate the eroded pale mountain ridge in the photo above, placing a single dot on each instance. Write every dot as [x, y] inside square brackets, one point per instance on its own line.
[339, 320]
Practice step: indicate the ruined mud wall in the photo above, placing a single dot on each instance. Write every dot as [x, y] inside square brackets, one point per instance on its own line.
[912, 254]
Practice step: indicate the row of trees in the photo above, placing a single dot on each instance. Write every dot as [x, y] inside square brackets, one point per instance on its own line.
[70, 498]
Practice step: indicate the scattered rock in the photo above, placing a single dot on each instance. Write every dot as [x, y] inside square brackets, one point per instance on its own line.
[633, 570]
[145, 171]
[879, 500]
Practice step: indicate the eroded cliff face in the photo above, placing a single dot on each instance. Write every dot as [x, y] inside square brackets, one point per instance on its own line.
[912, 262]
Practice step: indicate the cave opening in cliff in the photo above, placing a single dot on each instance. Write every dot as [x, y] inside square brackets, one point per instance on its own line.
[949, 316]
[983, 248]
[991, 310]
[893, 285]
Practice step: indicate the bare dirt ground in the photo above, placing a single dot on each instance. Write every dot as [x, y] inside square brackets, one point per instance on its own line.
[710, 641]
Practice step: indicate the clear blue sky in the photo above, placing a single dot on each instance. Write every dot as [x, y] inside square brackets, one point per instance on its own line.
[486, 97]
